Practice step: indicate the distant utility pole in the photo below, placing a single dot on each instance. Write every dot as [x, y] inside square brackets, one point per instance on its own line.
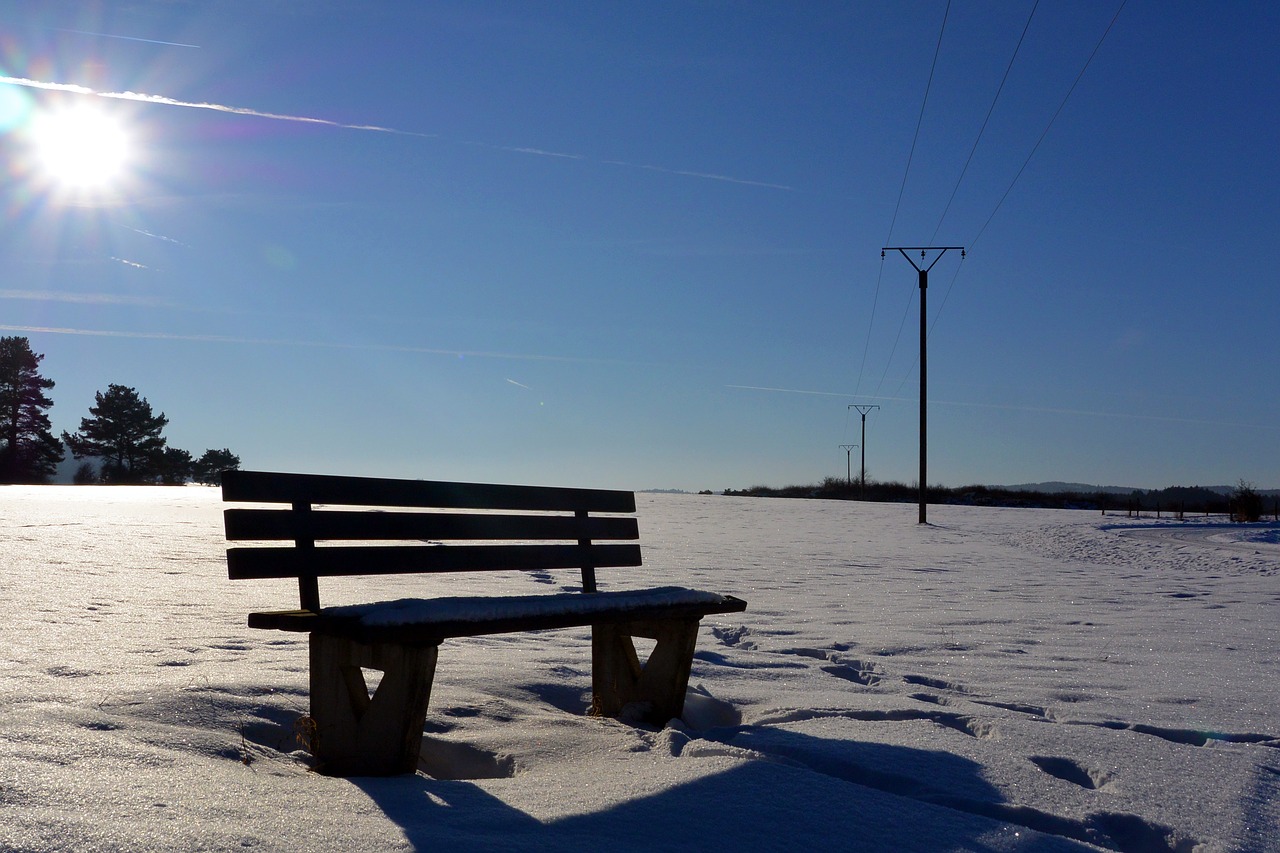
[924, 334]
[862, 410]
[848, 469]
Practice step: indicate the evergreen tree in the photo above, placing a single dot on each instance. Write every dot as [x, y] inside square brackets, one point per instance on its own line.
[29, 452]
[174, 466]
[124, 433]
[209, 467]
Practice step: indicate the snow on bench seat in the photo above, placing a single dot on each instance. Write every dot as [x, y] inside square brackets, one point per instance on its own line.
[408, 611]
[428, 619]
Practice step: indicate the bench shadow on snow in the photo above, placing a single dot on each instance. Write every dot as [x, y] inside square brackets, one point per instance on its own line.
[806, 793]
[792, 791]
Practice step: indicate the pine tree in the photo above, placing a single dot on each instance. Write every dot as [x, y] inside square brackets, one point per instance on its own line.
[174, 466]
[209, 467]
[124, 434]
[29, 452]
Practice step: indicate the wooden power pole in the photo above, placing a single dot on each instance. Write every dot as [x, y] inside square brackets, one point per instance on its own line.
[923, 272]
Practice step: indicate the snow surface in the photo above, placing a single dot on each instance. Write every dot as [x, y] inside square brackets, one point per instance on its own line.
[998, 680]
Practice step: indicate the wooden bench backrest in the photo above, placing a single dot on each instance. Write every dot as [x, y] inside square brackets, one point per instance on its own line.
[539, 527]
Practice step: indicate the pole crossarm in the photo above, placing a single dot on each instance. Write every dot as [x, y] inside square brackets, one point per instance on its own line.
[941, 250]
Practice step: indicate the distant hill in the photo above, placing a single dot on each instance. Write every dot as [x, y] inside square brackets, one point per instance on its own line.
[1056, 487]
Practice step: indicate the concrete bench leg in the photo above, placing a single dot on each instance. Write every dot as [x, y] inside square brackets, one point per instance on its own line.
[618, 678]
[359, 735]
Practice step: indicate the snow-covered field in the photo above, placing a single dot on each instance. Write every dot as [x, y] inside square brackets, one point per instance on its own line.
[999, 680]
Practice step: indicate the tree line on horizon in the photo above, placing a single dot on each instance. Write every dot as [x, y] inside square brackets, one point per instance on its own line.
[121, 432]
[1244, 503]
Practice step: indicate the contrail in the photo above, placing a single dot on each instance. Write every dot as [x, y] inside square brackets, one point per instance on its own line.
[245, 111]
[519, 385]
[221, 108]
[126, 38]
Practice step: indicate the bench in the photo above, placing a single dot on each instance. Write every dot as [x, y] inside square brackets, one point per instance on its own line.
[353, 526]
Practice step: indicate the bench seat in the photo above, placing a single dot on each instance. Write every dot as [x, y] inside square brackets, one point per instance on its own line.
[427, 621]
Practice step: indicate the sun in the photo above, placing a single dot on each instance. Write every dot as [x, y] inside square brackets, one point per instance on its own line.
[80, 147]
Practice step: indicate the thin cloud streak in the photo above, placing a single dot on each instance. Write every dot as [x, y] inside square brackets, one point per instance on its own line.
[83, 298]
[706, 176]
[227, 339]
[155, 236]
[519, 385]
[125, 38]
[245, 111]
[800, 391]
[1010, 407]
[538, 152]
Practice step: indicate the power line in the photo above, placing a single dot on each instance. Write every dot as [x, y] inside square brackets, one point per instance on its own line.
[871, 324]
[947, 293]
[919, 121]
[902, 324]
[983, 129]
[898, 206]
[1045, 133]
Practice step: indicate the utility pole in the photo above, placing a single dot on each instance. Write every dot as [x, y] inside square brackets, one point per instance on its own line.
[862, 410]
[848, 469]
[924, 335]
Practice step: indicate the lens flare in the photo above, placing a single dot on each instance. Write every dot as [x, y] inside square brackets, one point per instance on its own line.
[15, 108]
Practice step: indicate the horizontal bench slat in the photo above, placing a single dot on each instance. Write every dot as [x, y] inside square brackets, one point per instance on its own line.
[270, 487]
[278, 562]
[283, 524]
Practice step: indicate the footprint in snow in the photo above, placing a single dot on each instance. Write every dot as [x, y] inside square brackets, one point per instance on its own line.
[935, 683]
[849, 673]
[1069, 770]
[733, 635]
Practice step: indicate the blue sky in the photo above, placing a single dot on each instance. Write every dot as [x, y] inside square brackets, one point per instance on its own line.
[637, 245]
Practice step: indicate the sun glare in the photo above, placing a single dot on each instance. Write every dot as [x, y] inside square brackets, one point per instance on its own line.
[80, 148]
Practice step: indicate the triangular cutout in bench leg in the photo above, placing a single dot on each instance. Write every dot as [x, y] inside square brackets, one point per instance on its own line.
[361, 735]
[618, 678]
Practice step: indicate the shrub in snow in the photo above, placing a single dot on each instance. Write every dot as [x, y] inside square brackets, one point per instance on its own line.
[1246, 503]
